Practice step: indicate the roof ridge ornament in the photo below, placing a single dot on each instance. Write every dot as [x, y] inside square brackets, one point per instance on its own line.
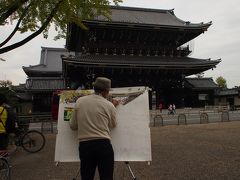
[171, 11]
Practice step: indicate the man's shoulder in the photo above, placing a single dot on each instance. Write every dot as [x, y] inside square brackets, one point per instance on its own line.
[84, 98]
[109, 104]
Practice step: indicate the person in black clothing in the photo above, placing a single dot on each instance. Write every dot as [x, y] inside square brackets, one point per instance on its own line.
[8, 121]
[3, 119]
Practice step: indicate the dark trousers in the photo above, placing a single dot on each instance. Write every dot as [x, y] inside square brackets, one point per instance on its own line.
[96, 153]
[3, 141]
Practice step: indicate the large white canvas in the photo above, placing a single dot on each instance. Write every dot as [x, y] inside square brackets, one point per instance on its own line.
[130, 139]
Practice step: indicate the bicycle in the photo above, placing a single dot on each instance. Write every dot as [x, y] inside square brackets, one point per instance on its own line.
[31, 141]
[4, 166]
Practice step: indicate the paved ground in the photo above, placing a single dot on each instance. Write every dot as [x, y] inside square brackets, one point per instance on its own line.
[199, 151]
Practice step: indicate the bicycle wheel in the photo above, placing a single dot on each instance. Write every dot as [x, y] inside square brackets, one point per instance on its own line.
[33, 141]
[4, 169]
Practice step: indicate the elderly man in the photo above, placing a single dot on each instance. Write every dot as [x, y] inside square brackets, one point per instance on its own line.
[94, 116]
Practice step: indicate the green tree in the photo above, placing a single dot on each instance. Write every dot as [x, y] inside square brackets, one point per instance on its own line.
[221, 82]
[37, 16]
[6, 89]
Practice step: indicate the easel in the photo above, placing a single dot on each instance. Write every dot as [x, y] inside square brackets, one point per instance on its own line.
[127, 164]
[130, 170]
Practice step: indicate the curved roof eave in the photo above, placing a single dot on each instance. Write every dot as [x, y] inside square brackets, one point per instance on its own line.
[208, 66]
[31, 68]
[200, 26]
[34, 70]
[146, 64]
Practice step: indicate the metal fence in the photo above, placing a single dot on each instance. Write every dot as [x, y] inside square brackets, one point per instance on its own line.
[42, 118]
[195, 116]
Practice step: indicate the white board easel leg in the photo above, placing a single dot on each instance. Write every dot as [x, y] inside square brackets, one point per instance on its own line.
[78, 173]
[130, 170]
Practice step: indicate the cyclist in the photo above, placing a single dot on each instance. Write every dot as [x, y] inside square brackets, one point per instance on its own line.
[3, 117]
[7, 122]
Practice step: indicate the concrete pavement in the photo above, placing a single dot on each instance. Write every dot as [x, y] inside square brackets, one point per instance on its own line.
[179, 152]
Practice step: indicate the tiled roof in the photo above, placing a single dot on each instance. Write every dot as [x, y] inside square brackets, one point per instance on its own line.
[50, 62]
[228, 92]
[202, 83]
[144, 16]
[142, 61]
[46, 84]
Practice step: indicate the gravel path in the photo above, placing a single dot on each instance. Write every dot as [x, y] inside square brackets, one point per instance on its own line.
[201, 151]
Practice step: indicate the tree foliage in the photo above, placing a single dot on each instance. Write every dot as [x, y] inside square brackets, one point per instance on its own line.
[38, 15]
[5, 84]
[6, 89]
[221, 82]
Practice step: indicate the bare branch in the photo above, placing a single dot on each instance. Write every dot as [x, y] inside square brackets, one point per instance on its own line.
[33, 35]
[16, 27]
[11, 9]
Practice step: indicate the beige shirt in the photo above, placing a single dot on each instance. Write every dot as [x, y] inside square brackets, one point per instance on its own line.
[93, 117]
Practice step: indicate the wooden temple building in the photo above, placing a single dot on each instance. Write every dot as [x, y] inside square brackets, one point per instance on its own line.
[137, 47]
[45, 78]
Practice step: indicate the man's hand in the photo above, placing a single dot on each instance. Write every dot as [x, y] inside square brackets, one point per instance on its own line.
[115, 102]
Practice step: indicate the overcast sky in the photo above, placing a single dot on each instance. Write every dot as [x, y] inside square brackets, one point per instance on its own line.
[220, 41]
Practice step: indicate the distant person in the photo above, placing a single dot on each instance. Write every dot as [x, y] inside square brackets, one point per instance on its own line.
[93, 117]
[170, 109]
[174, 109]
